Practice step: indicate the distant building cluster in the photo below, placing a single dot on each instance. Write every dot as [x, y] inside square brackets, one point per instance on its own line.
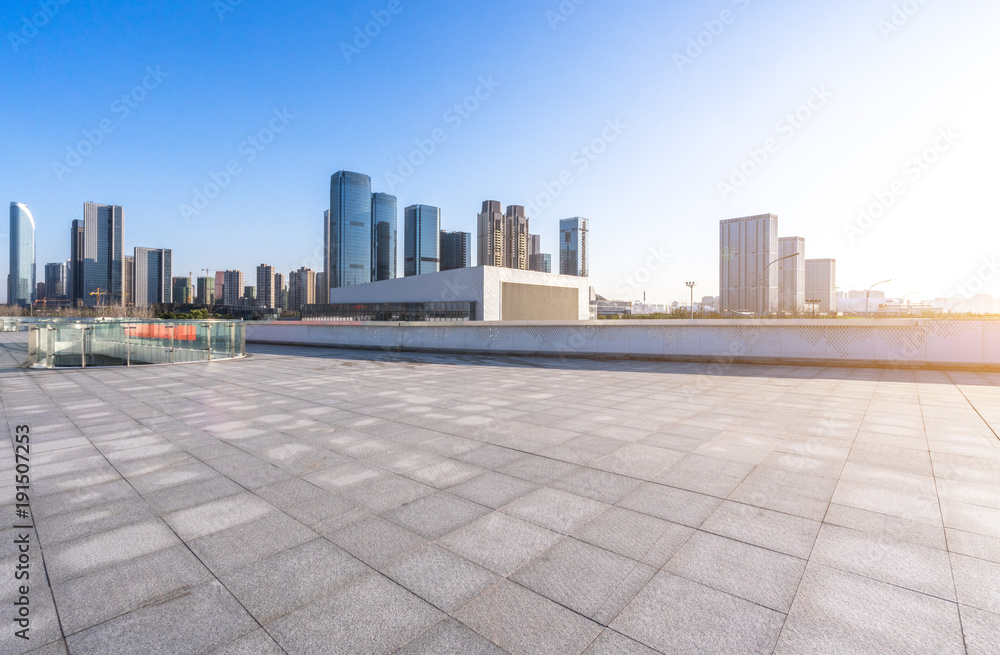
[762, 273]
[360, 247]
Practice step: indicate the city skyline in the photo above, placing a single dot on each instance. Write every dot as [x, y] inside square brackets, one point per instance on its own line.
[841, 117]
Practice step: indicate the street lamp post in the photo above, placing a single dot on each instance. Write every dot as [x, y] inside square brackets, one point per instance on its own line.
[901, 302]
[868, 294]
[760, 281]
[691, 285]
[815, 303]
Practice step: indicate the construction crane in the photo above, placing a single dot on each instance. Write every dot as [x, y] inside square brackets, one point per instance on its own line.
[100, 295]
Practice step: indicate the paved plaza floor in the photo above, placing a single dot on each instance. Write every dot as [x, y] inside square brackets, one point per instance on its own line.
[321, 501]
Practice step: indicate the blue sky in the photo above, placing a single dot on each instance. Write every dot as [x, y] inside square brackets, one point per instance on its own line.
[619, 99]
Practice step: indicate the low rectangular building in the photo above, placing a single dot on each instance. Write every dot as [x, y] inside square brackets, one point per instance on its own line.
[483, 293]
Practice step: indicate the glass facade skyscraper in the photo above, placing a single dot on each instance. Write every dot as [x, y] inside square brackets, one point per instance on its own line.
[21, 283]
[350, 230]
[55, 280]
[574, 257]
[456, 250]
[153, 277]
[384, 256]
[74, 274]
[421, 247]
[103, 254]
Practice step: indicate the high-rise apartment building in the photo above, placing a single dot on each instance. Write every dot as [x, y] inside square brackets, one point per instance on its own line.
[182, 291]
[503, 236]
[517, 237]
[103, 254]
[153, 276]
[350, 230]
[574, 247]
[265, 286]
[205, 291]
[21, 285]
[384, 213]
[232, 288]
[128, 280]
[534, 244]
[320, 284]
[747, 248]
[75, 272]
[792, 274]
[456, 250]
[280, 292]
[491, 233]
[821, 283]
[55, 280]
[250, 296]
[301, 288]
[421, 240]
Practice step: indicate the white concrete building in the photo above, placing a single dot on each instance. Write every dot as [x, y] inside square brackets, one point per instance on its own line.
[498, 293]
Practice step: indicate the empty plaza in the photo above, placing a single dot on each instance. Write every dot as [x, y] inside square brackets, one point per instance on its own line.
[308, 500]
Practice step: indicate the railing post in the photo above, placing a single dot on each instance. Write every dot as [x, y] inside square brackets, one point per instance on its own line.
[171, 328]
[208, 339]
[83, 346]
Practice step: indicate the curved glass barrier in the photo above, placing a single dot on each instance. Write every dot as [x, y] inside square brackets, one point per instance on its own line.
[82, 344]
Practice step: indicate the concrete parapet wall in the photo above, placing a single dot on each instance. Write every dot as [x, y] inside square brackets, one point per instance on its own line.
[903, 342]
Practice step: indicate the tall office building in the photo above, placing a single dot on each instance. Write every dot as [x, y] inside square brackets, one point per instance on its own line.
[421, 240]
[265, 286]
[747, 248]
[574, 251]
[55, 280]
[821, 283]
[21, 285]
[250, 296]
[320, 284]
[540, 262]
[325, 291]
[182, 293]
[205, 291]
[220, 286]
[301, 288]
[534, 244]
[232, 288]
[456, 250]
[503, 236]
[103, 254]
[384, 213]
[792, 274]
[75, 272]
[153, 276]
[128, 280]
[350, 230]
[280, 292]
